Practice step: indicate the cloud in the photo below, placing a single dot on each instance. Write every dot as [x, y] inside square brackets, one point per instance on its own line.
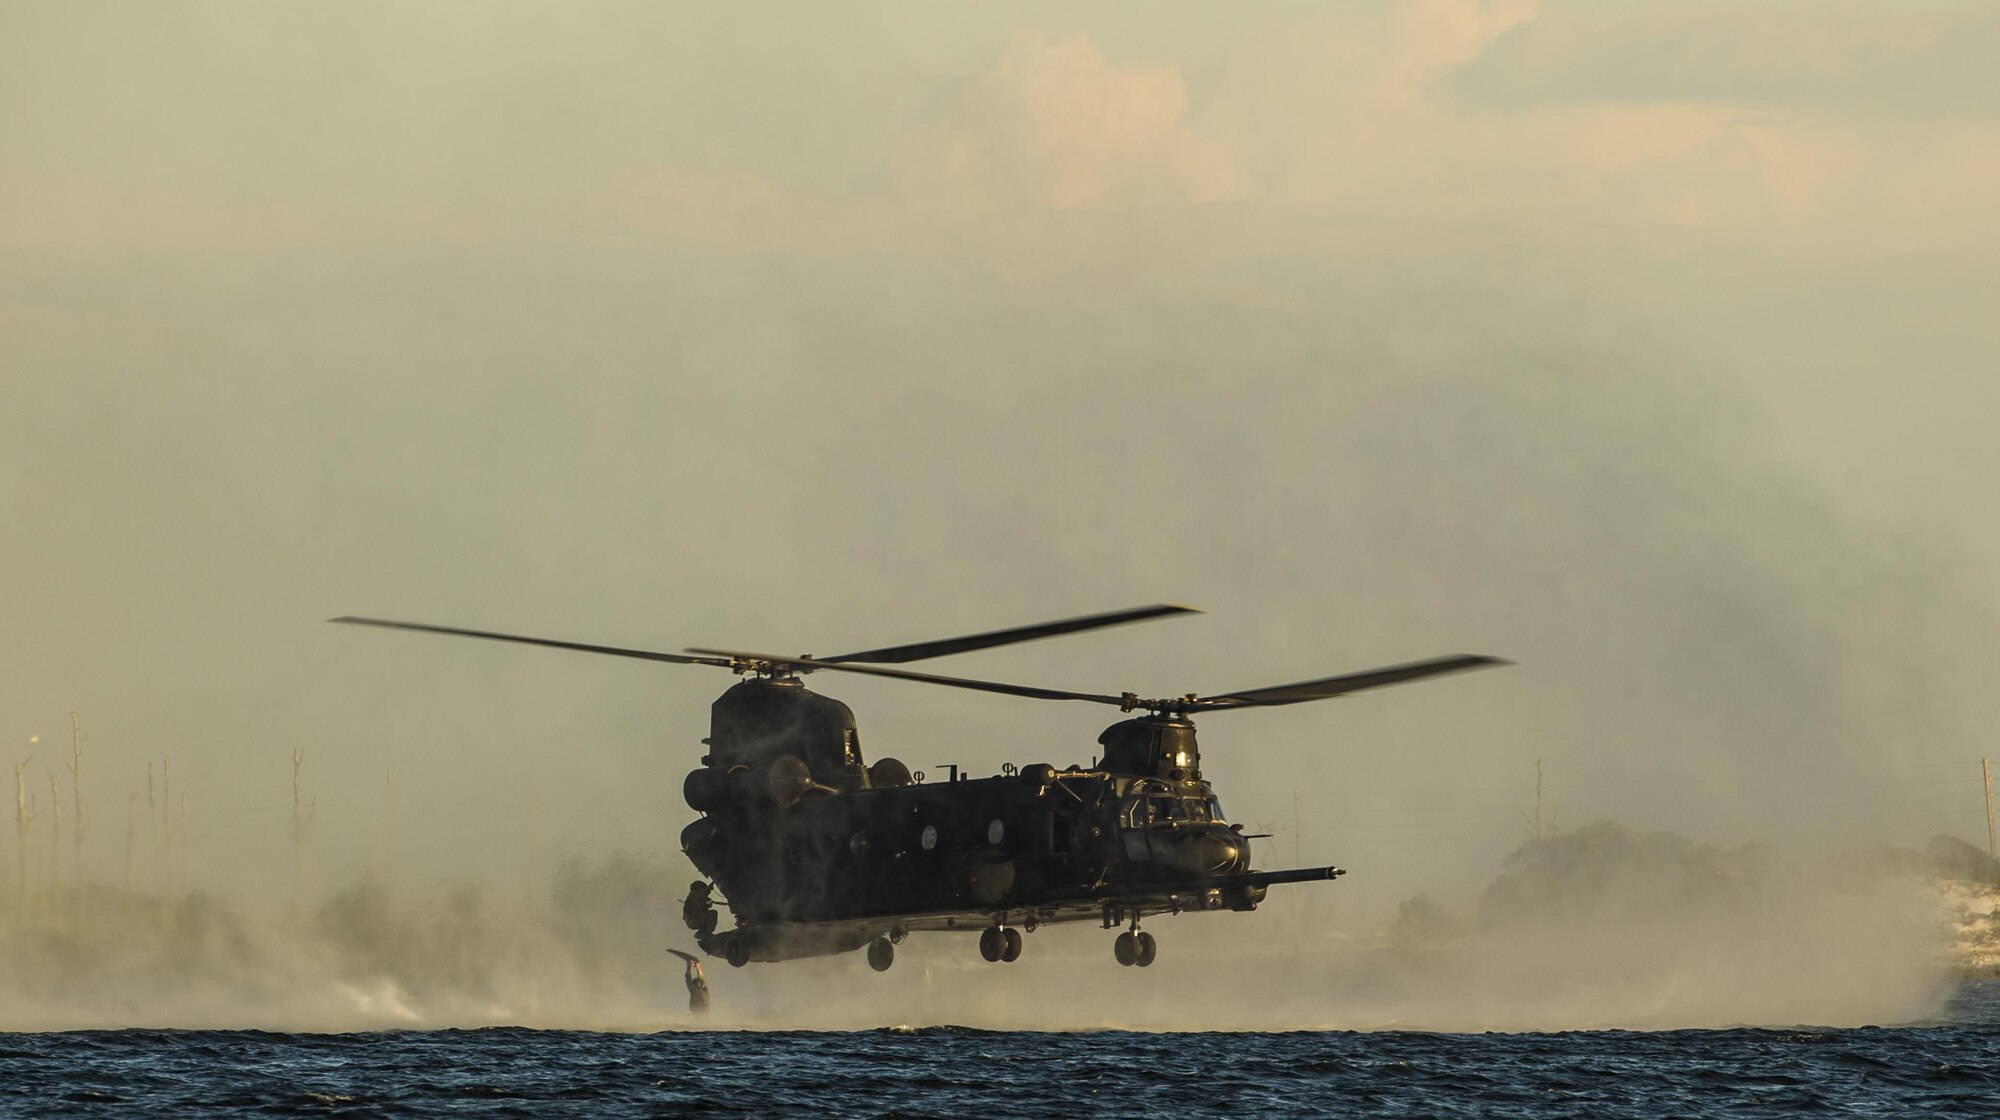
[1368, 116]
[1817, 129]
[1056, 125]
[1853, 59]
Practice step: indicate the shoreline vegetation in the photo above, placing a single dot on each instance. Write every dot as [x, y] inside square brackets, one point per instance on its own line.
[1605, 869]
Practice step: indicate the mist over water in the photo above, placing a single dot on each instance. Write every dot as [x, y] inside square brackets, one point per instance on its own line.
[1599, 928]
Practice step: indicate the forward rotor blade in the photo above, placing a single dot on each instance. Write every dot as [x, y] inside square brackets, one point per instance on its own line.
[1328, 687]
[810, 663]
[918, 651]
[643, 654]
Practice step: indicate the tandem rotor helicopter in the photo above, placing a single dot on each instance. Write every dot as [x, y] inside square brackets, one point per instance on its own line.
[816, 852]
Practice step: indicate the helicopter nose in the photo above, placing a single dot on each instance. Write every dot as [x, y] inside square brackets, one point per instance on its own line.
[1210, 853]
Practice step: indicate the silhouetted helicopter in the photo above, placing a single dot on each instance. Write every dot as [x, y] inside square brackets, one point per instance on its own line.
[816, 852]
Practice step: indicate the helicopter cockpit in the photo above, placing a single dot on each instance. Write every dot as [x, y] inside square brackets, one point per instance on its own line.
[1181, 830]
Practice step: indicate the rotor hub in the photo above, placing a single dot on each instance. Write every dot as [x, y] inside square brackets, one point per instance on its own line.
[1178, 706]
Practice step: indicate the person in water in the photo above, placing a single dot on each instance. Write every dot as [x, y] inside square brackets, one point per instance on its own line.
[697, 983]
[697, 988]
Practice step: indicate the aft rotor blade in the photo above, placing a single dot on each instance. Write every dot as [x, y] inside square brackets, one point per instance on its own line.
[918, 651]
[1328, 687]
[810, 663]
[615, 651]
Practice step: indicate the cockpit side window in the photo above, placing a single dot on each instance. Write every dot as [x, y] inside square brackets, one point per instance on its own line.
[1136, 812]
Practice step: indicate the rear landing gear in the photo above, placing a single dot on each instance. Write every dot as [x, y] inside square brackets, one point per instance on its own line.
[1000, 943]
[881, 954]
[736, 950]
[1135, 947]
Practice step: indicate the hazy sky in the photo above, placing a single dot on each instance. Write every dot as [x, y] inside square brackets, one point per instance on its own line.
[1648, 344]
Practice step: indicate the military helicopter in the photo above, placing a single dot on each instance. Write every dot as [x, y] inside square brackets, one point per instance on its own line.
[816, 852]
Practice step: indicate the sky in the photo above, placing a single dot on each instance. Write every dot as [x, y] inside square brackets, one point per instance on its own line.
[1647, 345]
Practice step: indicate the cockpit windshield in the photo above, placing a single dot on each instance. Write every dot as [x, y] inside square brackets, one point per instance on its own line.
[1169, 809]
[1166, 808]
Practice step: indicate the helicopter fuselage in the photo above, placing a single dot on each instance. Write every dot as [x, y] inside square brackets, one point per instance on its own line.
[817, 852]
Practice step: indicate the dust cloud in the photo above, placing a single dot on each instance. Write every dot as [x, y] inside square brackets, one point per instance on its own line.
[305, 314]
[1597, 928]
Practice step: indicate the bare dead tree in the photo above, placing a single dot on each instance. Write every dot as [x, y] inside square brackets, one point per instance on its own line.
[55, 824]
[152, 820]
[21, 817]
[76, 741]
[34, 809]
[298, 825]
[1535, 822]
[131, 824]
[166, 818]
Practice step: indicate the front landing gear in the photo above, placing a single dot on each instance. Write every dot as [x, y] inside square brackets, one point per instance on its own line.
[1135, 947]
[1000, 943]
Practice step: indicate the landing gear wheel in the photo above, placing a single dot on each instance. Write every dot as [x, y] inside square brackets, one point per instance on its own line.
[1126, 948]
[1148, 949]
[736, 951]
[881, 954]
[992, 943]
[1011, 951]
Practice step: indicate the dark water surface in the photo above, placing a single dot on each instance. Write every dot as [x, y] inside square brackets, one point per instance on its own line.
[1947, 1068]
